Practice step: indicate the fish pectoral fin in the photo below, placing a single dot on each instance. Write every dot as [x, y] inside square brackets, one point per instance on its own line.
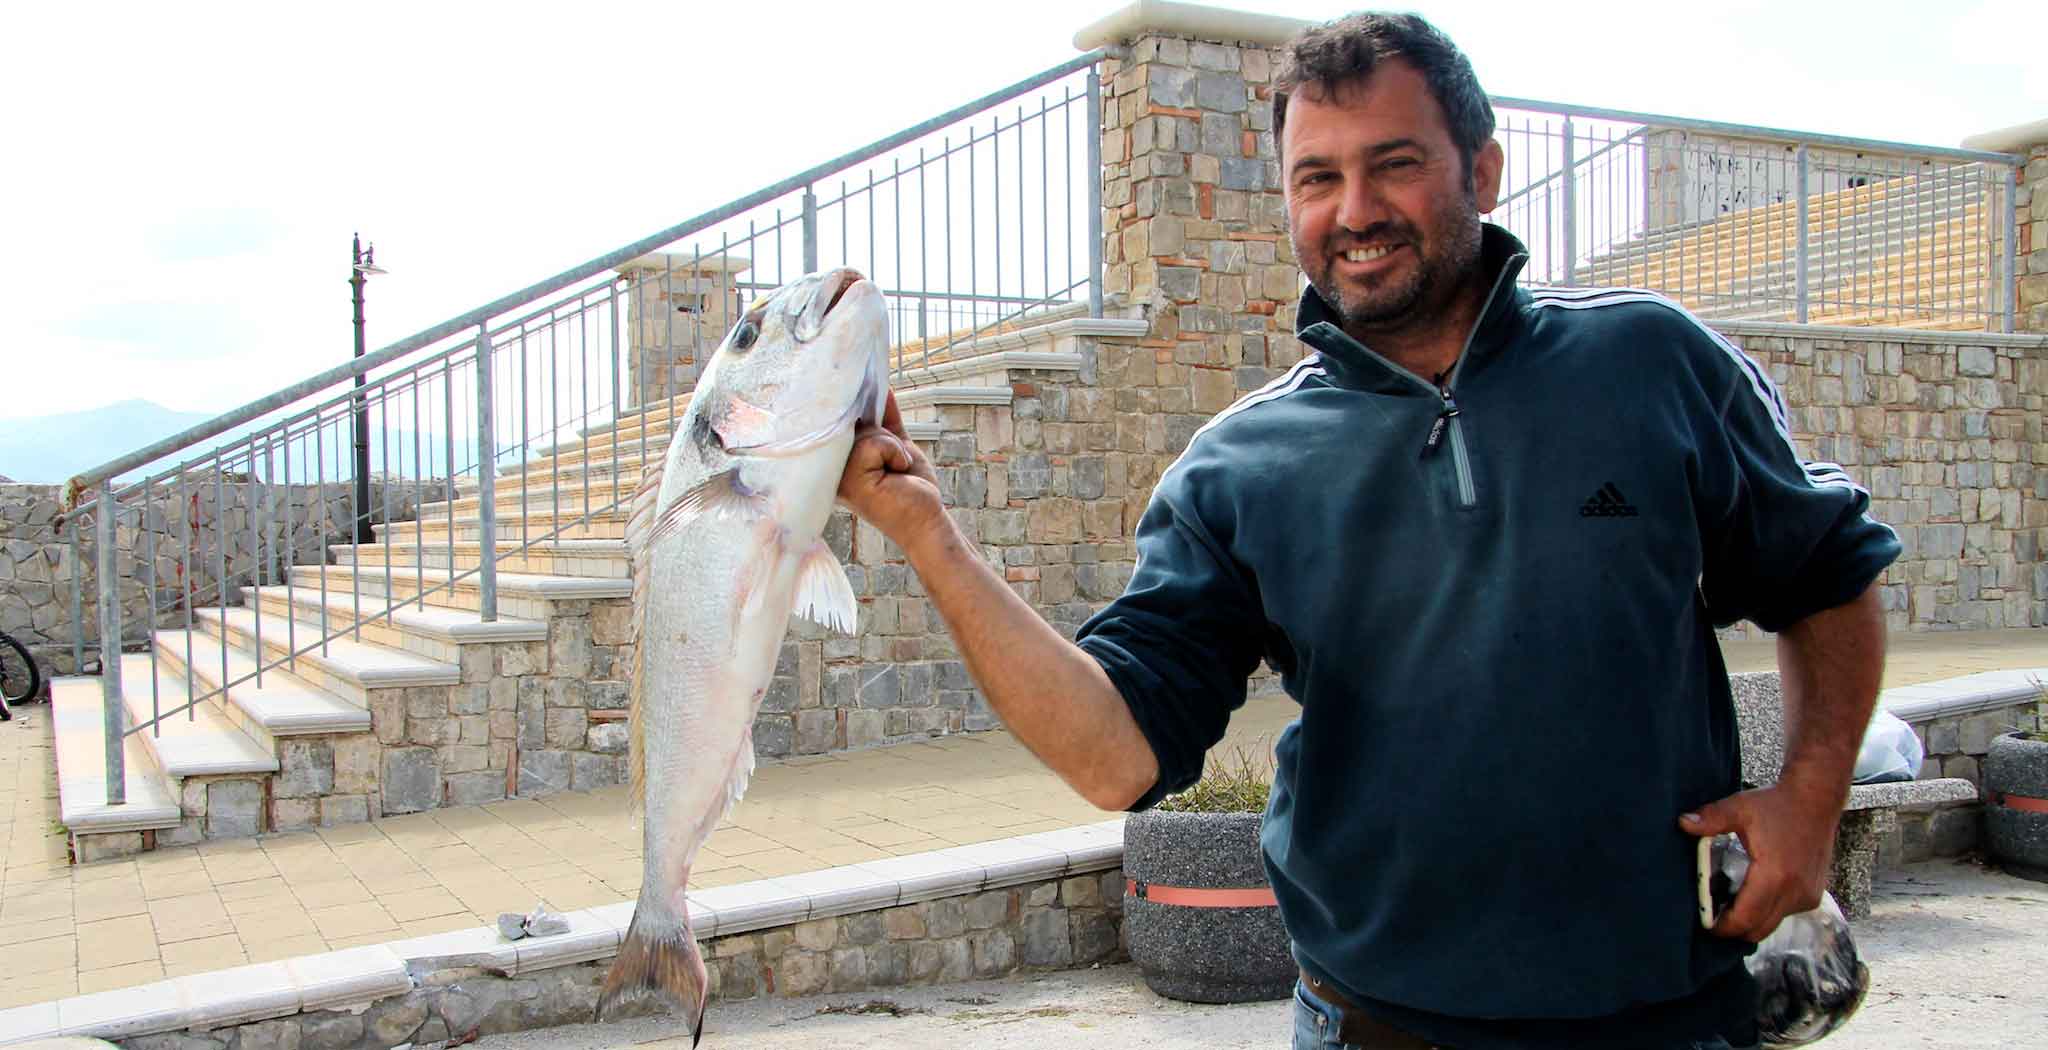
[824, 595]
[721, 495]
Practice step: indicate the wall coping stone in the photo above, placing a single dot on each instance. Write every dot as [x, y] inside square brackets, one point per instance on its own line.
[1965, 695]
[2016, 139]
[955, 395]
[681, 262]
[1198, 21]
[356, 976]
[1790, 330]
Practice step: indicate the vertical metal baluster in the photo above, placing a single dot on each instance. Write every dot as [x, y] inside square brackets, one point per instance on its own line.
[356, 514]
[1044, 202]
[951, 323]
[973, 248]
[1571, 204]
[220, 578]
[924, 251]
[2009, 227]
[255, 566]
[612, 304]
[419, 497]
[486, 480]
[113, 718]
[320, 486]
[779, 278]
[555, 422]
[156, 709]
[668, 324]
[448, 476]
[1067, 167]
[1023, 267]
[291, 561]
[995, 166]
[525, 431]
[384, 540]
[896, 220]
[188, 506]
[583, 368]
[1092, 136]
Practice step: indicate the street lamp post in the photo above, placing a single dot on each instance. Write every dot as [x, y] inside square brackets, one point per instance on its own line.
[359, 274]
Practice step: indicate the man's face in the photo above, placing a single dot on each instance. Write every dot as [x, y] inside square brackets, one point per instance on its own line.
[1384, 220]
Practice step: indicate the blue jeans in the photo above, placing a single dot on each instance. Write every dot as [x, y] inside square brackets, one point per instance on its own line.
[1316, 1024]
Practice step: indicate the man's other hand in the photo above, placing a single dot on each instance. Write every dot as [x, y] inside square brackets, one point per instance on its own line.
[1790, 836]
[888, 480]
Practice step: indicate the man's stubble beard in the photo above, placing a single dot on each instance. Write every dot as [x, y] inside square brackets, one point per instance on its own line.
[1424, 294]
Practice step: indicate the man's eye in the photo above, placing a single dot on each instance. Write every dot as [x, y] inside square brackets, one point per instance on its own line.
[743, 337]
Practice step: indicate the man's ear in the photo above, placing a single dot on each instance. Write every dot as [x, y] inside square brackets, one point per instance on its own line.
[1486, 169]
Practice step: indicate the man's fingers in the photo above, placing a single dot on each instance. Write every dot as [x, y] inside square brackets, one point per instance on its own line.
[877, 449]
[1714, 818]
[892, 418]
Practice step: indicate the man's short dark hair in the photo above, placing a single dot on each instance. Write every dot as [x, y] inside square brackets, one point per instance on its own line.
[1346, 51]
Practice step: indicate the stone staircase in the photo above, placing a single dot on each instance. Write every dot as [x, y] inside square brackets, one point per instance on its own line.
[420, 704]
[1890, 242]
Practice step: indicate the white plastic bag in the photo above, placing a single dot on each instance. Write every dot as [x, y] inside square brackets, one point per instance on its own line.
[1808, 971]
[1890, 752]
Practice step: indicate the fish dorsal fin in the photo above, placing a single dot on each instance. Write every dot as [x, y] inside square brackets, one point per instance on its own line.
[824, 595]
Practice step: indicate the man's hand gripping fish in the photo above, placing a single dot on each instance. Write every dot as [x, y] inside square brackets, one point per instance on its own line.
[725, 546]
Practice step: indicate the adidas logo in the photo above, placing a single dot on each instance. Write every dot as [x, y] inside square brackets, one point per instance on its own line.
[1607, 503]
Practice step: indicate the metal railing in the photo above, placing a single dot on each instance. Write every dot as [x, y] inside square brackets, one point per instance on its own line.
[974, 221]
[1742, 222]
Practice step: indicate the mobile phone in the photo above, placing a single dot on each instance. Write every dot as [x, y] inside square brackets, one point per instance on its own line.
[1723, 864]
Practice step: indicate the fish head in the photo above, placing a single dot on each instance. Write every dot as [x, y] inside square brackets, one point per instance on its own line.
[804, 359]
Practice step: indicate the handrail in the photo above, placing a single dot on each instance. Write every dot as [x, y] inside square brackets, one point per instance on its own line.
[1750, 131]
[1582, 162]
[227, 421]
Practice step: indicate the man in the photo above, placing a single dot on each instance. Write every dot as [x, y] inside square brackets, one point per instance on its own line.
[1484, 536]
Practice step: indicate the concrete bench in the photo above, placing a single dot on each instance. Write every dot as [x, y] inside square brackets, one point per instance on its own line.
[1872, 809]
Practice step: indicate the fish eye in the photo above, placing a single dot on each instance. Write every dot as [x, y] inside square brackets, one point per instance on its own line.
[743, 337]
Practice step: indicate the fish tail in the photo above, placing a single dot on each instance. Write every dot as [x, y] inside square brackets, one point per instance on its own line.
[659, 957]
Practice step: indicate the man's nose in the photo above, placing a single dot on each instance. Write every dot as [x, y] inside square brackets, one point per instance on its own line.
[1361, 205]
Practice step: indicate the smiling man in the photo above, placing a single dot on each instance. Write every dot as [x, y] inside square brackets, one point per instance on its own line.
[1484, 535]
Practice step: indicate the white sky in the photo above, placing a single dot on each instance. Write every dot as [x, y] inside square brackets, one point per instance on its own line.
[182, 180]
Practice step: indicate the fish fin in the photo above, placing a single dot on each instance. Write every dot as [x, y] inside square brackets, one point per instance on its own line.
[658, 957]
[824, 595]
[639, 545]
[722, 495]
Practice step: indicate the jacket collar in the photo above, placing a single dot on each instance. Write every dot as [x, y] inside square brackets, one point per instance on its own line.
[1501, 257]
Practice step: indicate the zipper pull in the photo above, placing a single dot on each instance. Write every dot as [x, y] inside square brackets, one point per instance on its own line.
[1443, 418]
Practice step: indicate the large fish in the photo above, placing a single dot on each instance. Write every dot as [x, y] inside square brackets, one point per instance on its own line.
[725, 546]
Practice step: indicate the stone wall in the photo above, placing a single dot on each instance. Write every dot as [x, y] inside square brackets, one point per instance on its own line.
[1050, 925]
[2031, 206]
[185, 534]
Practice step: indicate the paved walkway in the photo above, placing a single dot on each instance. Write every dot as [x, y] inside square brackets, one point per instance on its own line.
[67, 930]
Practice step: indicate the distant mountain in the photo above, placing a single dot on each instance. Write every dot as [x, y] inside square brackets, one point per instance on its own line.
[48, 450]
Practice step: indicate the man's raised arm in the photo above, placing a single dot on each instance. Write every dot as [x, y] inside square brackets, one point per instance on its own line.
[1056, 698]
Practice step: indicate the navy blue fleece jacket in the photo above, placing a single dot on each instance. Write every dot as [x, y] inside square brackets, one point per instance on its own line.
[1495, 602]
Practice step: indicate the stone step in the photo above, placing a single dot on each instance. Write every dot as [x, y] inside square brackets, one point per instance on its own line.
[78, 725]
[597, 559]
[344, 667]
[283, 705]
[198, 741]
[603, 525]
[627, 469]
[545, 495]
[522, 595]
[434, 632]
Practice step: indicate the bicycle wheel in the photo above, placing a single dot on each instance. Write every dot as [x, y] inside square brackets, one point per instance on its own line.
[20, 679]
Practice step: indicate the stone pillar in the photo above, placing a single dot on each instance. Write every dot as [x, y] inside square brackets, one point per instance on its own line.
[2031, 208]
[678, 307]
[1194, 224]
